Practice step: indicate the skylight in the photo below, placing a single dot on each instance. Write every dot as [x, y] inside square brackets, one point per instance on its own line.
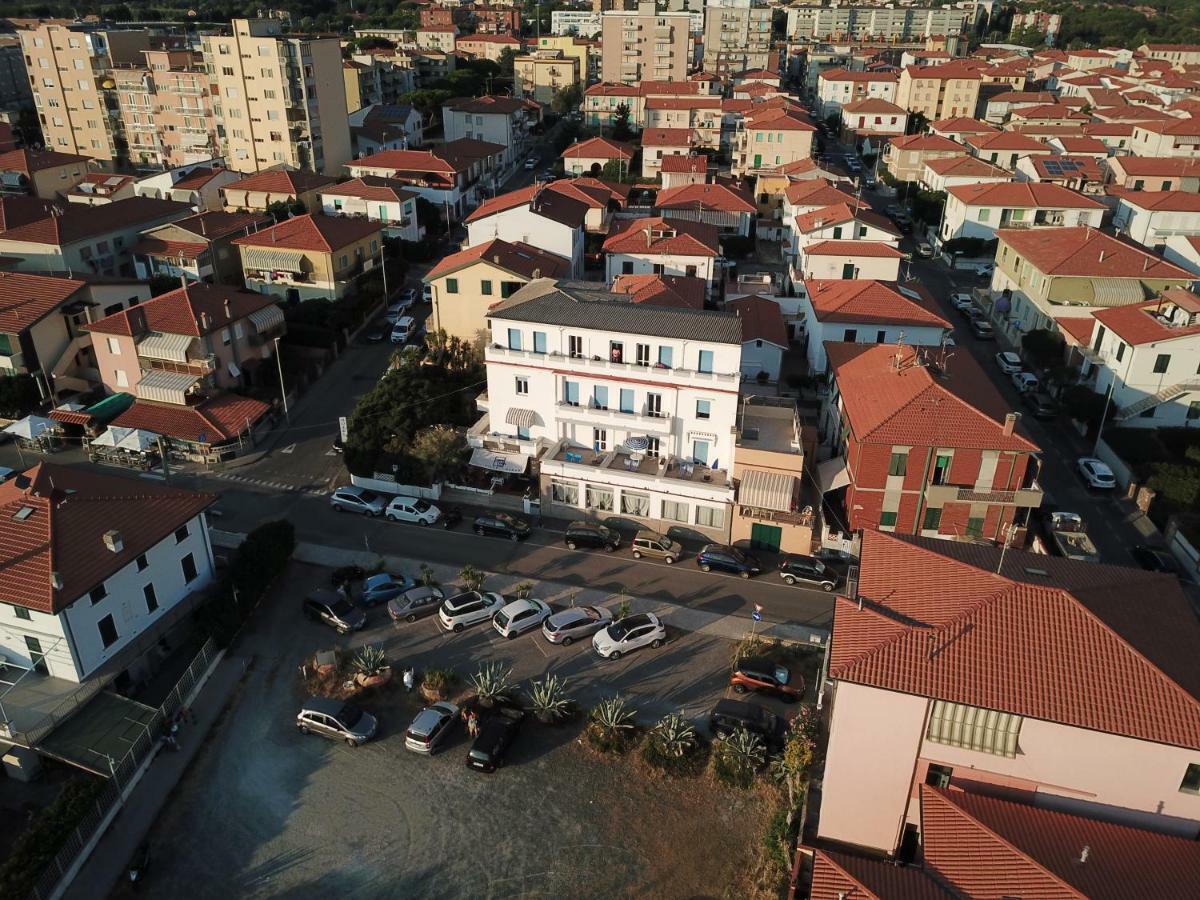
[23, 513]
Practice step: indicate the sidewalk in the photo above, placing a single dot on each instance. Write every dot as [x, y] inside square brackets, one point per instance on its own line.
[107, 864]
[728, 627]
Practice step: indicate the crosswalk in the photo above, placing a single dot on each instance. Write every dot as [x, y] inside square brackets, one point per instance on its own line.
[282, 486]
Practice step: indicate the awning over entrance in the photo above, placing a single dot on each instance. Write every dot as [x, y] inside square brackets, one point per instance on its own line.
[164, 386]
[833, 474]
[767, 490]
[508, 463]
[522, 418]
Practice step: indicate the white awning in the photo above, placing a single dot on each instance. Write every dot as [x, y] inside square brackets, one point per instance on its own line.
[138, 441]
[31, 427]
[833, 474]
[1117, 291]
[266, 318]
[508, 463]
[522, 418]
[173, 347]
[168, 387]
[767, 490]
[112, 436]
[272, 259]
[233, 369]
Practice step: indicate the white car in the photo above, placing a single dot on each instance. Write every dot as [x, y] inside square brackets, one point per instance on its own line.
[427, 294]
[531, 163]
[356, 499]
[468, 608]
[629, 633]
[519, 617]
[924, 250]
[1008, 362]
[1025, 382]
[393, 312]
[984, 270]
[962, 301]
[415, 510]
[1096, 473]
[403, 329]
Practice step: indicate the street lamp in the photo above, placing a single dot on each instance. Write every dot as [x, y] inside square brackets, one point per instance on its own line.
[282, 389]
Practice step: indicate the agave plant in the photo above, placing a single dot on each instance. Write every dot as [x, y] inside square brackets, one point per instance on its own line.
[612, 716]
[427, 578]
[370, 661]
[739, 756]
[471, 577]
[549, 699]
[622, 610]
[674, 736]
[491, 683]
[436, 683]
[523, 590]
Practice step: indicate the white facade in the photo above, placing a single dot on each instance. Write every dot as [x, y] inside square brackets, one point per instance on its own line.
[848, 265]
[577, 22]
[817, 332]
[850, 230]
[72, 641]
[761, 356]
[522, 224]
[962, 221]
[834, 93]
[1152, 227]
[938, 182]
[506, 129]
[1136, 372]
[398, 217]
[656, 264]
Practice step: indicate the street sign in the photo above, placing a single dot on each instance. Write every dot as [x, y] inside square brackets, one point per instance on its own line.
[756, 616]
[344, 428]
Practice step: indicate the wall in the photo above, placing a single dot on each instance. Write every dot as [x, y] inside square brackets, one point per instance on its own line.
[522, 224]
[644, 265]
[47, 630]
[464, 314]
[878, 268]
[819, 332]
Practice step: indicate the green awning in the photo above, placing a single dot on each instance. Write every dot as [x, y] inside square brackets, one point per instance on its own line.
[110, 407]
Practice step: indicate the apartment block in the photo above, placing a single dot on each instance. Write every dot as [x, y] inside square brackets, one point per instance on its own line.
[543, 73]
[737, 36]
[166, 110]
[645, 45]
[939, 92]
[279, 99]
[884, 23]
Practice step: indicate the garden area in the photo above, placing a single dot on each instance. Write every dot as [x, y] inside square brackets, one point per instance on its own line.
[1167, 460]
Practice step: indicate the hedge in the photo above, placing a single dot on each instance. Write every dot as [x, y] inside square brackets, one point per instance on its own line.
[259, 560]
[38, 844]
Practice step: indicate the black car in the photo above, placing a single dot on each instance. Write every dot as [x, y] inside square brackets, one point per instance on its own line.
[838, 560]
[502, 525]
[730, 715]
[1041, 404]
[982, 330]
[451, 516]
[334, 610]
[727, 559]
[497, 731]
[800, 569]
[591, 535]
[1154, 560]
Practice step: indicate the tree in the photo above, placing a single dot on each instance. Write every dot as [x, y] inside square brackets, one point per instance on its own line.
[567, 99]
[918, 123]
[1043, 347]
[618, 170]
[428, 103]
[441, 448]
[1083, 404]
[1029, 36]
[507, 57]
[19, 396]
[620, 123]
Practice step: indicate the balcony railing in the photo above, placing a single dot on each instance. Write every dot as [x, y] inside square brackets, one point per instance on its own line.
[598, 364]
[939, 494]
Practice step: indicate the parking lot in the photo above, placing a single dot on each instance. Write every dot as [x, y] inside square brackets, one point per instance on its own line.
[268, 812]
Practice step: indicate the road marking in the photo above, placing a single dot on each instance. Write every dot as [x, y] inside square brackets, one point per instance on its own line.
[327, 452]
[290, 448]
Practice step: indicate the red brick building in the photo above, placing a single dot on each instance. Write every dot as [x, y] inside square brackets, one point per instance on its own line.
[923, 449]
[443, 16]
[497, 19]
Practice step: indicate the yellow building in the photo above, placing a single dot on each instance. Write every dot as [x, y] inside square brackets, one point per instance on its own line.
[645, 45]
[769, 139]
[767, 469]
[543, 73]
[167, 110]
[570, 47]
[41, 173]
[939, 92]
[255, 193]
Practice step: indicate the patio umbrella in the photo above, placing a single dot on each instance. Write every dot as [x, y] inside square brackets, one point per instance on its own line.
[138, 441]
[112, 436]
[31, 427]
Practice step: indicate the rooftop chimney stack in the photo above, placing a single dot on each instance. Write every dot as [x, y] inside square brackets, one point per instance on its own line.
[1085, 853]
[228, 311]
[1010, 422]
[112, 540]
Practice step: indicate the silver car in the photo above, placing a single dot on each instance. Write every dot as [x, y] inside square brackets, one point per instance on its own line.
[356, 499]
[336, 719]
[430, 729]
[415, 603]
[570, 625]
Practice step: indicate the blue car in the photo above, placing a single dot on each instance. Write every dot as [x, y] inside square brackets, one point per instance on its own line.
[727, 559]
[383, 587]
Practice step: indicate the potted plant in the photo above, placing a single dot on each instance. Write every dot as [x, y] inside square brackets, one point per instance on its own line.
[549, 700]
[436, 684]
[491, 684]
[371, 667]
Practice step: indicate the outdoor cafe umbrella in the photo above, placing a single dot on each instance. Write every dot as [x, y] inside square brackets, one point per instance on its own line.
[31, 428]
[138, 441]
[112, 436]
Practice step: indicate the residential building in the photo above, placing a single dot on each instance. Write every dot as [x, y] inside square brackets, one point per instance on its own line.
[852, 221]
[662, 290]
[1181, 54]
[771, 138]
[1006, 148]
[771, 452]
[1154, 173]
[15, 93]
[865, 312]
[946, 172]
[846, 23]
[441, 38]
[585, 52]
[542, 74]
[257, 192]
[629, 407]
[677, 171]
[497, 18]
[139, 549]
[920, 697]
[864, 120]
[197, 185]
[282, 98]
[506, 121]
[663, 246]
[198, 248]
[979, 210]
[1170, 137]
[68, 70]
[1150, 217]
[488, 46]
[465, 285]
[591, 155]
[1045, 274]
[737, 36]
[168, 117]
[959, 128]
[645, 45]
[702, 115]
[310, 256]
[98, 188]
[1077, 173]
[839, 86]
[540, 215]
[361, 83]
[381, 200]
[658, 143]
[386, 127]
[905, 157]
[41, 173]
[576, 22]
[728, 208]
[452, 177]
[764, 337]
[847, 259]
[939, 92]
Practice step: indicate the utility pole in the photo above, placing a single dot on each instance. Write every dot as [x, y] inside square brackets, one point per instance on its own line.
[383, 268]
[282, 389]
[162, 455]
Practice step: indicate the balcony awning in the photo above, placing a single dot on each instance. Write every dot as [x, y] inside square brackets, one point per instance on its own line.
[833, 474]
[522, 418]
[169, 387]
[233, 369]
[266, 318]
[1117, 291]
[267, 259]
[767, 490]
[172, 347]
[508, 463]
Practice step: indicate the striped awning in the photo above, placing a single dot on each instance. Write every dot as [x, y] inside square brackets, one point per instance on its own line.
[267, 259]
[522, 418]
[173, 347]
[1117, 291]
[767, 490]
[169, 387]
[266, 318]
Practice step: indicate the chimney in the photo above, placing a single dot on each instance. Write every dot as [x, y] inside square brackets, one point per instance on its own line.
[496, 258]
[228, 311]
[56, 581]
[1085, 853]
[1010, 422]
[1101, 256]
[112, 540]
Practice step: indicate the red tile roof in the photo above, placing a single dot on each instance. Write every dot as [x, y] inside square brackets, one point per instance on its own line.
[492, 104]
[29, 161]
[962, 125]
[839, 875]
[872, 249]
[313, 232]
[452, 158]
[926, 143]
[197, 178]
[840, 213]
[1078, 327]
[762, 320]
[706, 196]
[215, 224]
[518, 257]
[71, 511]
[196, 310]
[776, 119]
[1022, 195]
[26, 299]
[843, 74]
[599, 148]
[1087, 253]
[667, 137]
[371, 187]
[866, 301]
[965, 166]
[694, 164]
[1086, 168]
[1165, 166]
[1072, 144]
[19, 209]
[280, 181]
[875, 105]
[657, 236]
[815, 193]
[705, 102]
[552, 202]
[679, 291]
[80, 221]
[157, 247]
[221, 419]
[1139, 323]
[1005, 141]
[1093, 646]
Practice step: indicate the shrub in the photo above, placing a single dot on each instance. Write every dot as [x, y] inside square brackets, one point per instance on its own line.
[548, 698]
[38, 844]
[472, 577]
[671, 744]
[438, 682]
[610, 726]
[622, 610]
[19, 396]
[370, 661]
[737, 758]
[427, 578]
[491, 683]
[259, 560]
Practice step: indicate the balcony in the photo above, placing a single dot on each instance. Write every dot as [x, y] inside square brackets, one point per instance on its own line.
[587, 413]
[597, 366]
[574, 461]
[941, 494]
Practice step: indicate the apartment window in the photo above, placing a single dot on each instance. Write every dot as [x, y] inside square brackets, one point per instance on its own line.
[122, 378]
[522, 386]
[142, 563]
[1161, 362]
[653, 448]
[514, 339]
[227, 70]
[710, 516]
[985, 215]
[642, 354]
[565, 492]
[703, 409]
[539, 342]
[627, 268]
[634, 503]
[599, 439]
[887, 520]
[599, 498]
[575, 346]
[451, 285]
[98, 594]
[974, 728]
[626, 400]
[181, 534]
[108, 631]
[151, 598]
[666, 356]
[939, 776]
[273, 115]
[22, 613]
[975, 526]
[571, 393]
[114, 345]
[899, 463]
[600, 397]
[616, 351]
[706, 361]
[932, 520]
[1120, 350]
[880, 337]
[1191, 779]
[226, 337]
[188, 564]
[941, 468]
[654, 405]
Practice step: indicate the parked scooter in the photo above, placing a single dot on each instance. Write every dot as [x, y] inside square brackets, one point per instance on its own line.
[139, 864]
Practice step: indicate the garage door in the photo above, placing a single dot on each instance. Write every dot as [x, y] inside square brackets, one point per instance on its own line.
[765, 537]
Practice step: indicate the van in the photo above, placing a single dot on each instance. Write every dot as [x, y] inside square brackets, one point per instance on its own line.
[404, 329]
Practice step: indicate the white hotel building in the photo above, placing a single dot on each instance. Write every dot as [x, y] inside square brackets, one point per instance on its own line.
[628, 409]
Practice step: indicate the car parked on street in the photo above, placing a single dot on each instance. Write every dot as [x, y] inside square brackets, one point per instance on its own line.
[334, 610]
[982, 330]
[1008, 362]
[801, 569]
[765, 676]
[591, 536]
[838, 560]
[520, 616]
[403, 330]
[724, 558]
[393, 313]
[415, 603]
[431, 728]
[1041, 404]
[984, 270]
[1096, 473]
[408, 297]
[730, 715]
[468, 608]
[502, 525]
[1153, 559]
[1025, 382]
[383, 587]
[925, 250]
[530, 164]
[575, 623]
[497, 731]
[415, 510]
[629, 633]
[356, 499]
[427, 293]
[336, 719]
[653, 545]
[962, 302]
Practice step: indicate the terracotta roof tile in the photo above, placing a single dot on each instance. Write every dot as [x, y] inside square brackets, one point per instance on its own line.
[667, 137]
[662, 290]
[29, 161]
[371, 187]
[815, 193]
[26, 299]
[762, 320]
[1078, 327]
[1139, 323]
[872, 249]
[840, 213]
[706, 196]
[867, 301]
[451, 158]
[1022, 195]
[281, 181]
[221, 419]
[196, 310]
[79, 221]
[313, 232]
[1158, 165]
[839, 875]
[1087, 253]
[875, 105]
[551, 202]
[657, 236]
[927, 143]
[599, 148]
[965, 166]
[1162, 201]
[518, 257]
[693, 164]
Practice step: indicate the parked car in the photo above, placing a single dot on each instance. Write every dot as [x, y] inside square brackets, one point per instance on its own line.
[984, 270]
[925, 250]
[404, 329]
[497, 731]
[765, 676]
[1008, 362]
[337, 719]
[502, 525]
[1025, 382]
[1096, 473]
[427, 293]
[962, 301]
[629, 633]
[653, 545]
[383, 587]
[730, 715]
[408, 297]
[530, 164]
[416, 510]
[376, 335]
[853, 164]
[356, 499]
[415, 603]
[838, 560]
[393, 313]
[982, 330]
[800, 569]
[724, 558]
[1154, 560]
[570, 625]
[468, 608]
[1041, 404]
[431, 728]
[334, 610]
[592, 536]
[892, 210]
[520, 616]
